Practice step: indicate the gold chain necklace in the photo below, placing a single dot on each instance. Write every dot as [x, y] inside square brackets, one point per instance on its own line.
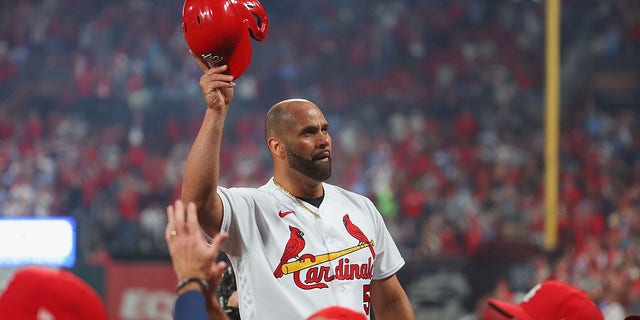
[298, 201]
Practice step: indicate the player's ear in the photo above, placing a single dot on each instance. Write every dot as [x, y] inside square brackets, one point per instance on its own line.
[276, 147]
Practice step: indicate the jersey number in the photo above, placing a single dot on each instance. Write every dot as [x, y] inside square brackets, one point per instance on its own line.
[366, 298]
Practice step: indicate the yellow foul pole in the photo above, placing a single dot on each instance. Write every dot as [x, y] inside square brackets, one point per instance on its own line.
[552, 122]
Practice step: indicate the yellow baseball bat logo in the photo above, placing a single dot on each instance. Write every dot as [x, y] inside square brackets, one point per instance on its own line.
[305, 263]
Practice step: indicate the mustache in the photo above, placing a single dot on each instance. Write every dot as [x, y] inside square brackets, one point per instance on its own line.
[324, 153]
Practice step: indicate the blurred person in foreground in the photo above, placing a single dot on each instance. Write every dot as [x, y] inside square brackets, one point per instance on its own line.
[195, 265]
[45, 293]
[550, 300]
[297, 244]
[337, 313]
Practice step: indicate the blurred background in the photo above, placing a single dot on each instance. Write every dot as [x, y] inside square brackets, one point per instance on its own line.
[436, 111]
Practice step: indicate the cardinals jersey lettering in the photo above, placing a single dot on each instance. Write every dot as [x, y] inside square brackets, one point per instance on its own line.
[291, 265]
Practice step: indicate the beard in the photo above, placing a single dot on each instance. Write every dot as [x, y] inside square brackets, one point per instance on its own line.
[318, 171]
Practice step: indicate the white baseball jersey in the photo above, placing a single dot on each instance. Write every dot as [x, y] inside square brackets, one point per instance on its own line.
[290, 263]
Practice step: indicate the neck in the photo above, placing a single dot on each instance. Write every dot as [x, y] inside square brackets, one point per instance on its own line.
[301, 188]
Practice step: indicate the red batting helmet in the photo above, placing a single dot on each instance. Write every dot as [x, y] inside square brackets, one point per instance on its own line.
[36, 292]
[254, 17]
[219, 31]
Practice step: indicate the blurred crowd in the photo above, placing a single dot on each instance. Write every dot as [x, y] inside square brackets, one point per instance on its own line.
[436, 111]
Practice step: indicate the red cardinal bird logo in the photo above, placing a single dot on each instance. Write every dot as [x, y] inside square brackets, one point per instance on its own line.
[291, 250]
[355, 232]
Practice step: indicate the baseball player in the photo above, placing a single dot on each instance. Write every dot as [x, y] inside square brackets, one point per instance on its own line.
[297, 244]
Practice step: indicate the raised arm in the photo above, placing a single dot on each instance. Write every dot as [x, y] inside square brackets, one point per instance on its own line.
[202, 169]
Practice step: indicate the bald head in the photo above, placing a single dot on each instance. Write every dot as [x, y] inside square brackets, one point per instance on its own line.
[282, 116]
[297, 135]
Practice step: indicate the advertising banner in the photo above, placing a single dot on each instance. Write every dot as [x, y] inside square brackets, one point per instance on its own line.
[140, 291]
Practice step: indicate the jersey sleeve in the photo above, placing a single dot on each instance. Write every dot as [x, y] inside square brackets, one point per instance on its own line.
[388, 258]
[235, 200]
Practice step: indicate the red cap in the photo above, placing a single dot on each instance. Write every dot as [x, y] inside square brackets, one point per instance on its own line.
[43, 292]
[337, 313]
[632, 317]
[551, 300]
[219, 31]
